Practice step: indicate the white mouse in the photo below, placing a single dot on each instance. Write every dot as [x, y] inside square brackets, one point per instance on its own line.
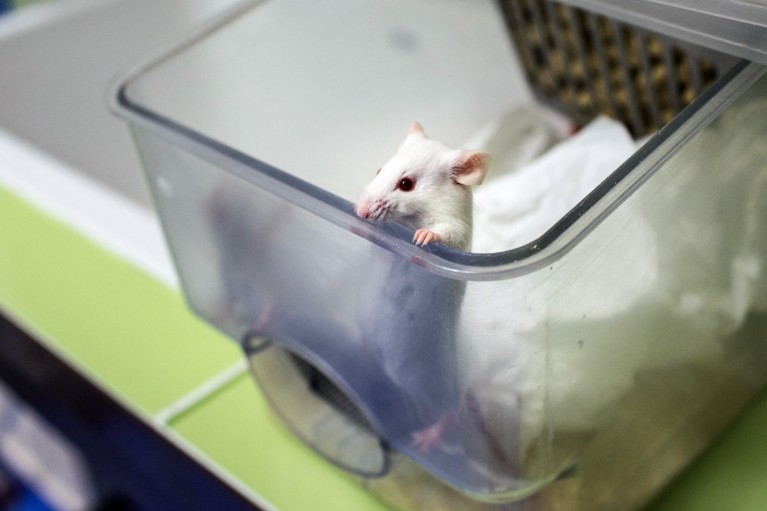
[426, 186]
[410, 325]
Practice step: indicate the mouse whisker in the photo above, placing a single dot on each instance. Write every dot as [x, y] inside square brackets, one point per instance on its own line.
[379, 210]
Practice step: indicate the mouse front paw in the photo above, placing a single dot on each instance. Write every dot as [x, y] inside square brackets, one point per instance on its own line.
[424, 236]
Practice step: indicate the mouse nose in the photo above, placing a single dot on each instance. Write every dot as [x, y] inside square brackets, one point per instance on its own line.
[362, 208]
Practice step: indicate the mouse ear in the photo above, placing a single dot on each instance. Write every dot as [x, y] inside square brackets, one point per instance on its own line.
[416, 129]
[470, 167]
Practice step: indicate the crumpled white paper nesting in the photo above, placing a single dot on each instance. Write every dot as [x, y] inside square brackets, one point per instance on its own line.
[665, 293]
[518, 206]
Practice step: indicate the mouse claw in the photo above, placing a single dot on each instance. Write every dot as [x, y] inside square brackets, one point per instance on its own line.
[433, 436]
[429, 438]
[424, 236]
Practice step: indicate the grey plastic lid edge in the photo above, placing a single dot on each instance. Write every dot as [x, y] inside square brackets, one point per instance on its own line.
[734, 27]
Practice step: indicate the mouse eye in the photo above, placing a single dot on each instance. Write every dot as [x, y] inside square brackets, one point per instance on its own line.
[405, 184]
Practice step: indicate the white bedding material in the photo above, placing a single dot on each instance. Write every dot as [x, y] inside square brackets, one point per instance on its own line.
[516, 208]
[521, 205]
[660, 291]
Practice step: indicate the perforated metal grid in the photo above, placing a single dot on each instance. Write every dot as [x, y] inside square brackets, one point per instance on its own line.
[584, 64]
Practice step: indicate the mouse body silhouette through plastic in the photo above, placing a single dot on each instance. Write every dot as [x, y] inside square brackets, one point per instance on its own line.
[412, 322]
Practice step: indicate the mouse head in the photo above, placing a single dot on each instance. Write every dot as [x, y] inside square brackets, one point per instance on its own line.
[423, 180]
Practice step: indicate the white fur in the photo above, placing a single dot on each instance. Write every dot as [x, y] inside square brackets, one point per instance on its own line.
[437, 202]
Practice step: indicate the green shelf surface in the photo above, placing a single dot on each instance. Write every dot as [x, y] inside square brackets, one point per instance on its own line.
[731, 475]
[127, 331]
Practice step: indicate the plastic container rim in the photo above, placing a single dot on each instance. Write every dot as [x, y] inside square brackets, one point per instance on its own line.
[558, 240]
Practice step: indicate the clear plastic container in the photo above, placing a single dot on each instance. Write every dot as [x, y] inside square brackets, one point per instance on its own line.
[580, 371]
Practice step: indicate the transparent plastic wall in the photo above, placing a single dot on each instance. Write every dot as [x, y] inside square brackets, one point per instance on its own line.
[601, 358]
